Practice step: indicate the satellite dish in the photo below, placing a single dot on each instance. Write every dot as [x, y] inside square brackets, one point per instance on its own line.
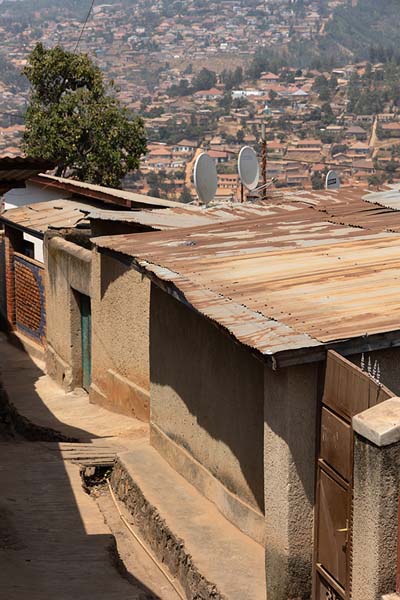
[248, 167]
[205, 177]
[332, 181]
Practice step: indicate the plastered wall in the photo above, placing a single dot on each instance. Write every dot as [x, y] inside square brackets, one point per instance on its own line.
[120, 337]
[206, 398]
[68, 270]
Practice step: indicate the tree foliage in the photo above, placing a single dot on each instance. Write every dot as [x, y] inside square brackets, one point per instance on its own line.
[204, 80]
[75, 119]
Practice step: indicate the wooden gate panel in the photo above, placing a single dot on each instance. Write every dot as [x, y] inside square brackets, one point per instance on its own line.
[333, 522]
[348, 390]
[336, 442]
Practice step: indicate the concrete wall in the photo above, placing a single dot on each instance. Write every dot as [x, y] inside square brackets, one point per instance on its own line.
[68, 270]
[291, 414]
[120, 337]
[207, 408]
[376, 500]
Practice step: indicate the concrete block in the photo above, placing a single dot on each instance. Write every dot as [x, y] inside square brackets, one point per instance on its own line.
[380, 424]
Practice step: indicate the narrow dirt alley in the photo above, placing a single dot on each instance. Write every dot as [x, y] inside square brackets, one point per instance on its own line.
[56, 540]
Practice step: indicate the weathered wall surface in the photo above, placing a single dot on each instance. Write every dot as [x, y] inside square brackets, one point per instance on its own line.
[375, 518]
[120, 337]
[290, 413]
[206, 401]
[68, 269]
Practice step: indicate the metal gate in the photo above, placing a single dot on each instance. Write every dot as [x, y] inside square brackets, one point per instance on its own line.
[348, 390]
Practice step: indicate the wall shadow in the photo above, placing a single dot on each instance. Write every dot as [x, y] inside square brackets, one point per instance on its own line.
[201, 371]
[53, 540]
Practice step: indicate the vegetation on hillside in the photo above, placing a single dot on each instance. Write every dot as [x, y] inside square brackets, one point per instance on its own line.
[370, 23]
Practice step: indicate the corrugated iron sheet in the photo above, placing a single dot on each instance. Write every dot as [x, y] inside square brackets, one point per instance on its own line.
[186, 216]
[388, 199]
[98, 192]
[289, 280]
[40, 216]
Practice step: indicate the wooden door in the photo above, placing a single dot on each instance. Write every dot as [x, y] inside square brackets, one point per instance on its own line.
[348, 390]
[86, 340]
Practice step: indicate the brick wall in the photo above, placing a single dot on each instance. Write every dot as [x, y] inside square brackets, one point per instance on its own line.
[13, 242]
[3, 302]
[30, 312]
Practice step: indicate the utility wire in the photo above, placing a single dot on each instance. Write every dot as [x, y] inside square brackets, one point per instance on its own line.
[84, 25]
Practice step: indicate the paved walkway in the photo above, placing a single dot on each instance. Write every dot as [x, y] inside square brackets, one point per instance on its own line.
[54, 540]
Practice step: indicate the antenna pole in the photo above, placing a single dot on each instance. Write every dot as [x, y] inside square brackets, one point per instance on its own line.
[264, 160]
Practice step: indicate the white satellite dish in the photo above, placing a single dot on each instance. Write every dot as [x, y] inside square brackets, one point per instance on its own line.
[332, 181]
[248, 168]
[205, 177]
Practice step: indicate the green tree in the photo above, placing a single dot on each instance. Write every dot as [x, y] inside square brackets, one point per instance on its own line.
[74, 119]
[240, 136]
[317, 181]
[204, 80]
[185, 196]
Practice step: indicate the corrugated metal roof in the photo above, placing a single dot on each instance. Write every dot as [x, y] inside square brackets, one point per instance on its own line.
[19, 168]
[183, 216]
[98, 192]
[288, 281]
[388, 199]
[40, 216]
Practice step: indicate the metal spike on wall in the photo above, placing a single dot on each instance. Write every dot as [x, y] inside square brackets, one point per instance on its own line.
[362, 364]
[374, 369]
[378, 374]
[369, 368]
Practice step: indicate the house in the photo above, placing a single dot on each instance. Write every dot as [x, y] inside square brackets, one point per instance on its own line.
[219, 156]
[357, 132]
[14, 191]
[211, 94]
[359, 149]
[25, 309]
[187, 146]
[248, 365]
[391, 129]
[269, 78]
[116, 298]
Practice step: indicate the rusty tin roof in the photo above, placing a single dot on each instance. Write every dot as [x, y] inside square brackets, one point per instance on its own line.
[105, 194]
[38, 217]
[289, 283]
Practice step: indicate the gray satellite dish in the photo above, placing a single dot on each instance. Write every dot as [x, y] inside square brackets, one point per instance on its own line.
[248, 167]
[205, 177]
[332, 181]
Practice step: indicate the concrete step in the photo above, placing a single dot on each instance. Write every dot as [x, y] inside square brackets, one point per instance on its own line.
[206, 553]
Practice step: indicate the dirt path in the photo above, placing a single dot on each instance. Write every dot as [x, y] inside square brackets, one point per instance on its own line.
[56, 541]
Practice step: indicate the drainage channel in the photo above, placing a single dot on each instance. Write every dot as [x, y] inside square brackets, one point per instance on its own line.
[95, 481]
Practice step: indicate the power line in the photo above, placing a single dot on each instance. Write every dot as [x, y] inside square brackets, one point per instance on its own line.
[84, 25]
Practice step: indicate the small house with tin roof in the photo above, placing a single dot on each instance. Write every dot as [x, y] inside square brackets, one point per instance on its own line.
[267, 336]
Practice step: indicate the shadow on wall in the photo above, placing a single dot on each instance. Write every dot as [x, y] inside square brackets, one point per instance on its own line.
[59, 558]
[207, 396]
